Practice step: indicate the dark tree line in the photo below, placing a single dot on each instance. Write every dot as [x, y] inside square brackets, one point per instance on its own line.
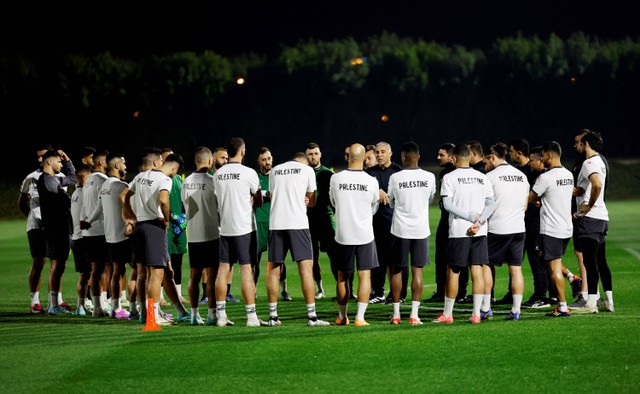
[332, 92]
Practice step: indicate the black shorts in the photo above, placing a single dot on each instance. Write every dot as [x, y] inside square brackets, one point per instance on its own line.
[296, 241]
[506, 248]
[204, 254]
[37, 243]
[585, 227]
[418, 249]
[121, 252]
[58, 245]
[80, 256]
[553, 248]
[462, 252]
[241, 249]
[96, 248]
[365, 257]
[151, 243]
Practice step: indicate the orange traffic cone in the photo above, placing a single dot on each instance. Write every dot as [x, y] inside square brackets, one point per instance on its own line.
[151, 317]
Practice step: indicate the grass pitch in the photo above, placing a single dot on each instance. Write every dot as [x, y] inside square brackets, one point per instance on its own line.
[585, 353]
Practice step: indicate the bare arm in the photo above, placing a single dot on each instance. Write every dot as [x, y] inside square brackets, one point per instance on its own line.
[596, 189]
[164, 207]
[23, 203]
[311, 197]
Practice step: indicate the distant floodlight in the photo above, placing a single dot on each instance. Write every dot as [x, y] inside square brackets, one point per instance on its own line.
[384, 118]
[240, 81]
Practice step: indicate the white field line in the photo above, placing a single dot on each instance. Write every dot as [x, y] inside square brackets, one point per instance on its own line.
[633, 252]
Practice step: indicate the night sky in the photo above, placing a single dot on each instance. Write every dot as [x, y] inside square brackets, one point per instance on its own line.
[132, 29]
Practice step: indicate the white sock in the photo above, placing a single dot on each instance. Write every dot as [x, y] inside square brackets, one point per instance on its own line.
[584, 294]
[362, 308]
[60, 298]
[156, 309]
[477, 303]
[609, 295]
[486, 302]
[562, 306]
[342, 311]
[592, 300]
[194, 312]
[570, 276]
[414, 309]
[273, 309]
[97, 306]
[115, 304]
[211, 313]
[221, 309]
[448, 306]
[103, 295]
[311, 311]
[517, 302]
[396, 310]
[179, 290]
[35, 298]
[251, 311]
[123, 295]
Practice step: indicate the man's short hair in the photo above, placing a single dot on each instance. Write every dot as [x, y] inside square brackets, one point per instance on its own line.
[594, 139]
[263, 150]
[150, 154]
[447, 147]
[462, 151]
[87, 151]
[112, 156]
[311, 145]
[369, 147]
[100, 153]
[475, 146]
[40, 147]
[552, 146]
[521, 145]
[175, 158]
[499, 149]
[410, 147]
[50, 153]
[536, 151]
[234, 145]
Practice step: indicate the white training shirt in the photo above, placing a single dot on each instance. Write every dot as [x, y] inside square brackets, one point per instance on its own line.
[468, 189]
[114, 225]
[200, 204]
[410, 192]
[234, 184]
[555, 189]
[76, 207]
[91, 208]
[289, 183]
[146, 187]
[511, 192]
[593, 165]
[355, 195]
[34, 219]
[29, 186]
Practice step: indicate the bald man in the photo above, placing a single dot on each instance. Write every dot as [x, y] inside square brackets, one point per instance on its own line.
[355, 195]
